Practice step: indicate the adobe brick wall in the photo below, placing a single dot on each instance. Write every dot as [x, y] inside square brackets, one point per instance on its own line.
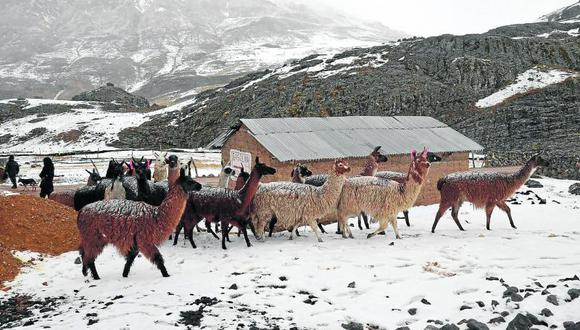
[243, 141]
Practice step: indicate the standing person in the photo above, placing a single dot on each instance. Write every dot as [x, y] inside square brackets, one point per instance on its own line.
[12, 169]
[47, 175]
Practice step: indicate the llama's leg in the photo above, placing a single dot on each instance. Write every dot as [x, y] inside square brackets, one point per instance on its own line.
[321, 227]
[178, 231]
[455, 215]
[383, 224]
[293, 230]
[406, 215]
[271, 225]
[395, 223]
[242, 228]
[208, 227]
[151, 252]
[359, 221]
[339, 229]
[189, 234]
[488, 210]
[224, 225]
[442, 208]
[366, 220]
[504, 207]
[217, 228]
[89, 254]
[314, 228]
[130, 257]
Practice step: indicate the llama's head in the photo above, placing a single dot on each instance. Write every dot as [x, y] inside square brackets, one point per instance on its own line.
[302, 171]
[431, 157]
[94, 177]
[419, 165]
[243, 174]
[160, 159]
[264, 169]
[340, 167]
[537, 161]
[378, 156]
[172, 161]
[115, 169]
[187, 183]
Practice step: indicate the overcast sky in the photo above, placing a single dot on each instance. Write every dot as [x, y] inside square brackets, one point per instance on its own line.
[434, 17]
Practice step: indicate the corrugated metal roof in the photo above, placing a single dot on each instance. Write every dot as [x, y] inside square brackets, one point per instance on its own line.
[312, 138]
[219, 141]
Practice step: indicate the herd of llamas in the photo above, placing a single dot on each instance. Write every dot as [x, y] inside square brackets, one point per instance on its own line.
[129, 210]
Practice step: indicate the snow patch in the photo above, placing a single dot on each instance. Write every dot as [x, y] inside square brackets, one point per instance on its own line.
[531, 79]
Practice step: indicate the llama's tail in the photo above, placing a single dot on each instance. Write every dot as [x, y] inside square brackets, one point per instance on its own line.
[440, 183]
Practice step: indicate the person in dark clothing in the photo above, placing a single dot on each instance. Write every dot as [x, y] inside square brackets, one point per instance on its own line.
[47, 175]
[12, 169]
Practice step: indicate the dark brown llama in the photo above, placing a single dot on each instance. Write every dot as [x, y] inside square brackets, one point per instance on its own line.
[132, 226]
[482, 189]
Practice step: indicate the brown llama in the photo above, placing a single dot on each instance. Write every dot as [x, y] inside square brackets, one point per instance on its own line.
[295, 204]
[380, 198]
[370, 168]
[132, 227]
[483, 189]
[229, 207]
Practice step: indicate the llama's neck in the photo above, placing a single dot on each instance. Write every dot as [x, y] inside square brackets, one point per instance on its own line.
[297, 178]
[239, 182]
[330, 191]
[143, 185]
[170, 211]
[172, 175]
[249, 190]
[370, 168]
[410, 188]
[524, 173]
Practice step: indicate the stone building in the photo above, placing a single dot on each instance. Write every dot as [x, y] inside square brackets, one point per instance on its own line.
[316, 142]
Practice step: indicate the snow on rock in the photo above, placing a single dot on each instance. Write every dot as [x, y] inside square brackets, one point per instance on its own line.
[305, 284]
[531, 79]
[96, 128]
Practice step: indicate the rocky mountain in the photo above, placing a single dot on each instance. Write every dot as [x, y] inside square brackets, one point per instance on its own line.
[161, 49]
[568, 14]
[110, 93]
[514, 89]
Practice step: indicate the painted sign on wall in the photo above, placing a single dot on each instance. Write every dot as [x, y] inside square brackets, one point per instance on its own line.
[240, 158]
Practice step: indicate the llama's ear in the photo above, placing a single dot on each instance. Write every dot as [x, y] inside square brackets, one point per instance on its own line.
[424, 153]
[257, 159]
[377, 148]
[89, 172]
[182, 172]
[413, 154]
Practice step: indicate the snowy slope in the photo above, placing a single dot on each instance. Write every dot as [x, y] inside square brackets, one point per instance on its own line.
[98, 127]
[161, 48]
[306, 284]
[531, 79]
[569, 14]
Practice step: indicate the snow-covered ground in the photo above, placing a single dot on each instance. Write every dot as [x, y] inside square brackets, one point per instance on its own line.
[98, 127]
[306, 283]
[70, 170]
[534, 78]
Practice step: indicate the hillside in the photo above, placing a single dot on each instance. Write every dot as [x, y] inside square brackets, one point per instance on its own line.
[162, 49]
[444, 77]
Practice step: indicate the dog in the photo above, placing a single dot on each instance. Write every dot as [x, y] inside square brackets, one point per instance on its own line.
[28, 182]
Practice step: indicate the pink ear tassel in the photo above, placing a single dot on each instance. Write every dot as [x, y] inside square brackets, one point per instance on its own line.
[148, 163]
[131, 166]
[413, 154]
